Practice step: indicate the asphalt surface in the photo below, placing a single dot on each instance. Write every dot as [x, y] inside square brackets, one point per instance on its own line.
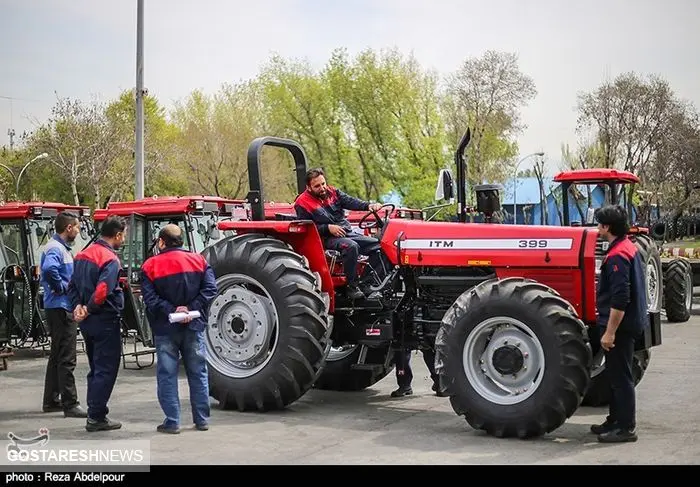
[369, 427]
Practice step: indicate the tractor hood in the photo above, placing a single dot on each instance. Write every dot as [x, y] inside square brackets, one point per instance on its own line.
[460, 244]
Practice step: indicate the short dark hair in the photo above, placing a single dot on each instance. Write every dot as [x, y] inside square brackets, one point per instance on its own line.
[313, 174]
[615, 216]
[112, 226]
[64, 219]
[171, 240]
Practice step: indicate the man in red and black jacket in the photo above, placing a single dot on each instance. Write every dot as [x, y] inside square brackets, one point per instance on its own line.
[325, 206]
[622, 318]
[97, 300]
[179, 281]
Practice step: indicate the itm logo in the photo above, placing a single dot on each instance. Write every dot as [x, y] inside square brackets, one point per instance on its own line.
[17, 443]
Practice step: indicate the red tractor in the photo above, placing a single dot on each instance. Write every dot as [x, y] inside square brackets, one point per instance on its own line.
[508, 309]
[669, 285]
[196, 215]
[25, 227]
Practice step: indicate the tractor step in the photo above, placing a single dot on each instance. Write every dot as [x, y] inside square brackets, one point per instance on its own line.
[371, 367]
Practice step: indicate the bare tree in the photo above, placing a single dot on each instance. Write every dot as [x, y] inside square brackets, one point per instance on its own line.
[487, 94]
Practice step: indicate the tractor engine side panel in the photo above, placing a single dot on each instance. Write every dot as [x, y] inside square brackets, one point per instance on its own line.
[563, 258]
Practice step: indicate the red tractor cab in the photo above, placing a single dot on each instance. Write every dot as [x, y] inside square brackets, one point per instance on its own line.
[25, 228]
[197, 216]
[669, 281]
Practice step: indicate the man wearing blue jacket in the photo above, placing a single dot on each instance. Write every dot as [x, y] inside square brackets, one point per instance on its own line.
[622, 318]
[179, 281]
[98, 300]
[56, 271]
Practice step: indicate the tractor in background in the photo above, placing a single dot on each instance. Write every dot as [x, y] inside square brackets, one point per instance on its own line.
[669, 284]
[197, 216]
[507, 308]
[25, 227]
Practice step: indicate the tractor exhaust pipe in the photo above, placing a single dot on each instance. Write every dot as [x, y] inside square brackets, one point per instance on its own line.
[461, 167]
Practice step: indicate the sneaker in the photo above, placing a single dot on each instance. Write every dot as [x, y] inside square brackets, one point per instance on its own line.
[102, 425]
[75, 412]
[618, 435]
[201, 427]
[599, 429]
[402, 391]
[173, 430]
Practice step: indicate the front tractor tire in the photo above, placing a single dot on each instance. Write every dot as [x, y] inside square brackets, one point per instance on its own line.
[268, 333]
[678, 290]
[513, 358]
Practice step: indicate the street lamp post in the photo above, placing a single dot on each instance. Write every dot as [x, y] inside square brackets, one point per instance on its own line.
[17, 179]
[515, 184]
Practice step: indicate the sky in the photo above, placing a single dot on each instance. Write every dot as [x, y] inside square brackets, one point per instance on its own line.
[87, 48]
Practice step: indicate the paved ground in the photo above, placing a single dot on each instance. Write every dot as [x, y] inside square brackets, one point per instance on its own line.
[371, 428]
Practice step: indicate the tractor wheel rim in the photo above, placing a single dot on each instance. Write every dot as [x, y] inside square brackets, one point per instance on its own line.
[503, 360]
[340, 352]
[688, 290]
[243, 328]
[652, 286]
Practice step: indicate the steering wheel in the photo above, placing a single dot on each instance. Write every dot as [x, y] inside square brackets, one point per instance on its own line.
[378, 220]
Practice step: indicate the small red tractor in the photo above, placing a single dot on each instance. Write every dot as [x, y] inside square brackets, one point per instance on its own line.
[25, 227]
[507, 308]
[196, 215]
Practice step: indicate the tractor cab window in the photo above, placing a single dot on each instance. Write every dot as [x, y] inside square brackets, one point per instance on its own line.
[205, 231]
[11, 244]
[154, 227]
[40, 232]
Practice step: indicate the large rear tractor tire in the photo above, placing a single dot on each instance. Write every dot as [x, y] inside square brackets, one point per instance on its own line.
[598, 393]
[513, 357]
[268, 333]
[653, 271]
[339, 374]
[678, 291]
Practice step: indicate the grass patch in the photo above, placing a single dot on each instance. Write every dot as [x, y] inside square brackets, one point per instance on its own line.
[695, 244]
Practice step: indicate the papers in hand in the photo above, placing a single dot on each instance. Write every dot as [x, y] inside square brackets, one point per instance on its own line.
[179, 317]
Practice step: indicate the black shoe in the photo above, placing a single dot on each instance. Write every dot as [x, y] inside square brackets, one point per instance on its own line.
[354, 292]
[436, 389]
[402, 391]
[618, 435]
[106, 424]
[75, 412]
[52, 408]
[202, 427]
[173, 430]
[599, 429]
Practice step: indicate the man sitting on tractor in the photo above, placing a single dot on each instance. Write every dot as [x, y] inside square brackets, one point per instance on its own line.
[325, 205]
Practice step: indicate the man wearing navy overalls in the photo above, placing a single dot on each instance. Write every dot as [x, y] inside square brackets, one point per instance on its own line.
[622, 317]
[98, 301]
